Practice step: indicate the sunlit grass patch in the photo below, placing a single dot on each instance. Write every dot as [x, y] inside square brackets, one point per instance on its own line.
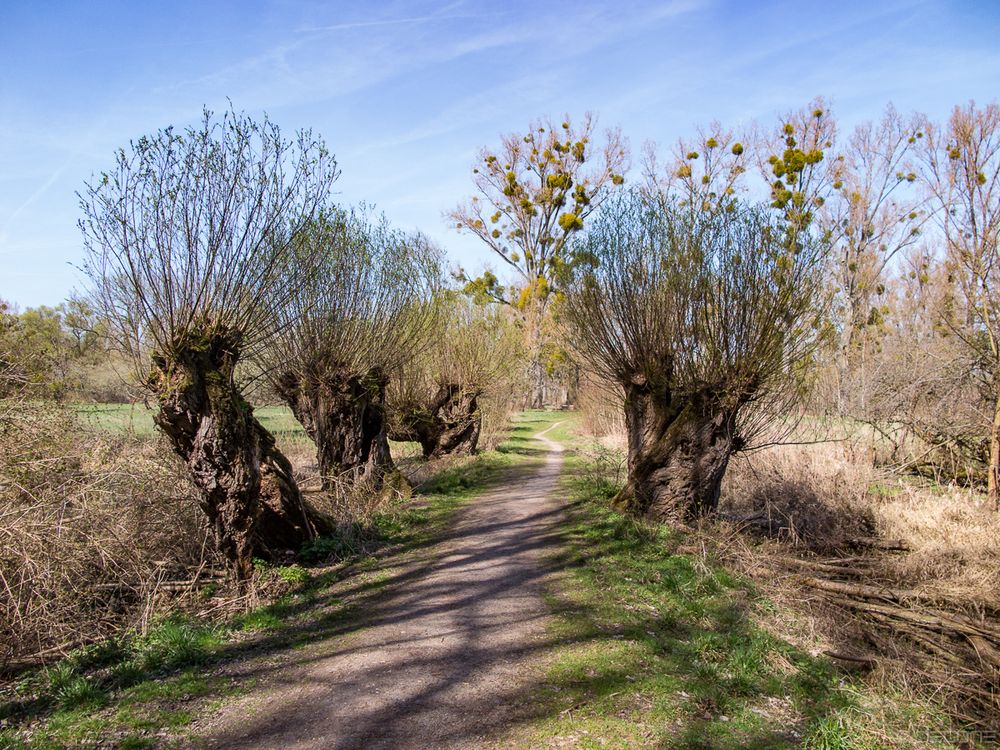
[658, 649]
[123, 687]
[133, 691]
[657, 645]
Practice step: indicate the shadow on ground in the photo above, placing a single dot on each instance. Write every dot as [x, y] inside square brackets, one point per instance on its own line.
[452, 646]
[449, 640]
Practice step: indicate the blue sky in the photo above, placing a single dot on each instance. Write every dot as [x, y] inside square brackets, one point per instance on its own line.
[406, 93]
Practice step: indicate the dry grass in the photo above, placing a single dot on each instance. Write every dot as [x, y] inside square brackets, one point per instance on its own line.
[94, 531]
[101, 531]
[824, 511]
[804, 495]
[837, 520]
[822, 498]
[953, 536]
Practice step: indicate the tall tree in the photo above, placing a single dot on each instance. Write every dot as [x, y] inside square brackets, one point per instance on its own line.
[532, 195]
[873, 216]
[962, 173]
[186, 249]
[363, 311]
[706, 321]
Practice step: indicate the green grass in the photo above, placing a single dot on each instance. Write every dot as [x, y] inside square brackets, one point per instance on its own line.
[116, 418]
[137, 419]
[116, 691]
[657, 646]
[659, 650]
[124, 693]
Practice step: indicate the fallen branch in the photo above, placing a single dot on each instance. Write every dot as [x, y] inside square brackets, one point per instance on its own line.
[836, 567]
[984, 641]
[885, 545]
[899, 596]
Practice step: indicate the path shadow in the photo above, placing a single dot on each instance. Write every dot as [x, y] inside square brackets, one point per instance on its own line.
[464, 652]
[454, 649]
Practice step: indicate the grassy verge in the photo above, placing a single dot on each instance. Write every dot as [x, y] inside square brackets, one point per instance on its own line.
[137, 420]
[658, 646]
[142, 691]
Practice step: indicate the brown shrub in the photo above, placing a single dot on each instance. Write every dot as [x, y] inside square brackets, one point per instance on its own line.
[91, 526]
[601, 407]
[803, 494]
[824, 497]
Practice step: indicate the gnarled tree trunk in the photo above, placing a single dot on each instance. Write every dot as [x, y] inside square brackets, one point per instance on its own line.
[678, 450]
[246, 483]
[993, 478]
[536, 372]
[344, 414]
[448, 425]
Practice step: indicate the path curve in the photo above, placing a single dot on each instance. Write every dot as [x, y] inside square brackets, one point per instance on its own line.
[446, 656]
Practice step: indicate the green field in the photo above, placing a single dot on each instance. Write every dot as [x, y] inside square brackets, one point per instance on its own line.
[137, 419]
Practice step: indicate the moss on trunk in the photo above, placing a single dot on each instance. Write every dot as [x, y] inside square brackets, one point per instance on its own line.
[678, 451]
[449, 424]
[247, 488]
[344, 414]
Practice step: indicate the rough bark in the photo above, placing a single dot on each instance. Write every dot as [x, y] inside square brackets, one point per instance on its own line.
[993, 481]
[344, 414]
[678, 451]
[537, 373]
[247, 488]
[447, 425]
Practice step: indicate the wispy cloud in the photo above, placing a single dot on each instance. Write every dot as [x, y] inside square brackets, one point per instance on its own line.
[24, 205]
[407, 90]
[351, 25]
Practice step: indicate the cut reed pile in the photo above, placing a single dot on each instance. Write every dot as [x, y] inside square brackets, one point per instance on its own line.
[889, 574]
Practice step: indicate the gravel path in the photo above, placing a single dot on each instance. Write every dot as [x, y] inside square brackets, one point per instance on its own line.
[446, 654]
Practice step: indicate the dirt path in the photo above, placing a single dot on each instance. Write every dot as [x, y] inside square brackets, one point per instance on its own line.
[444, 656]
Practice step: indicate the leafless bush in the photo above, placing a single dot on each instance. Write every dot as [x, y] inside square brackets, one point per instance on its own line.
[803, 494]
[91, 528]
[601, 407]
[497, 412]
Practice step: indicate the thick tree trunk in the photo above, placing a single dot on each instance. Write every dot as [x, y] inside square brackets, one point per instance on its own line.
[678, 451]
[537, 372]
[247, 488]
[449, 425]
[344, 414]
[993, 480]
